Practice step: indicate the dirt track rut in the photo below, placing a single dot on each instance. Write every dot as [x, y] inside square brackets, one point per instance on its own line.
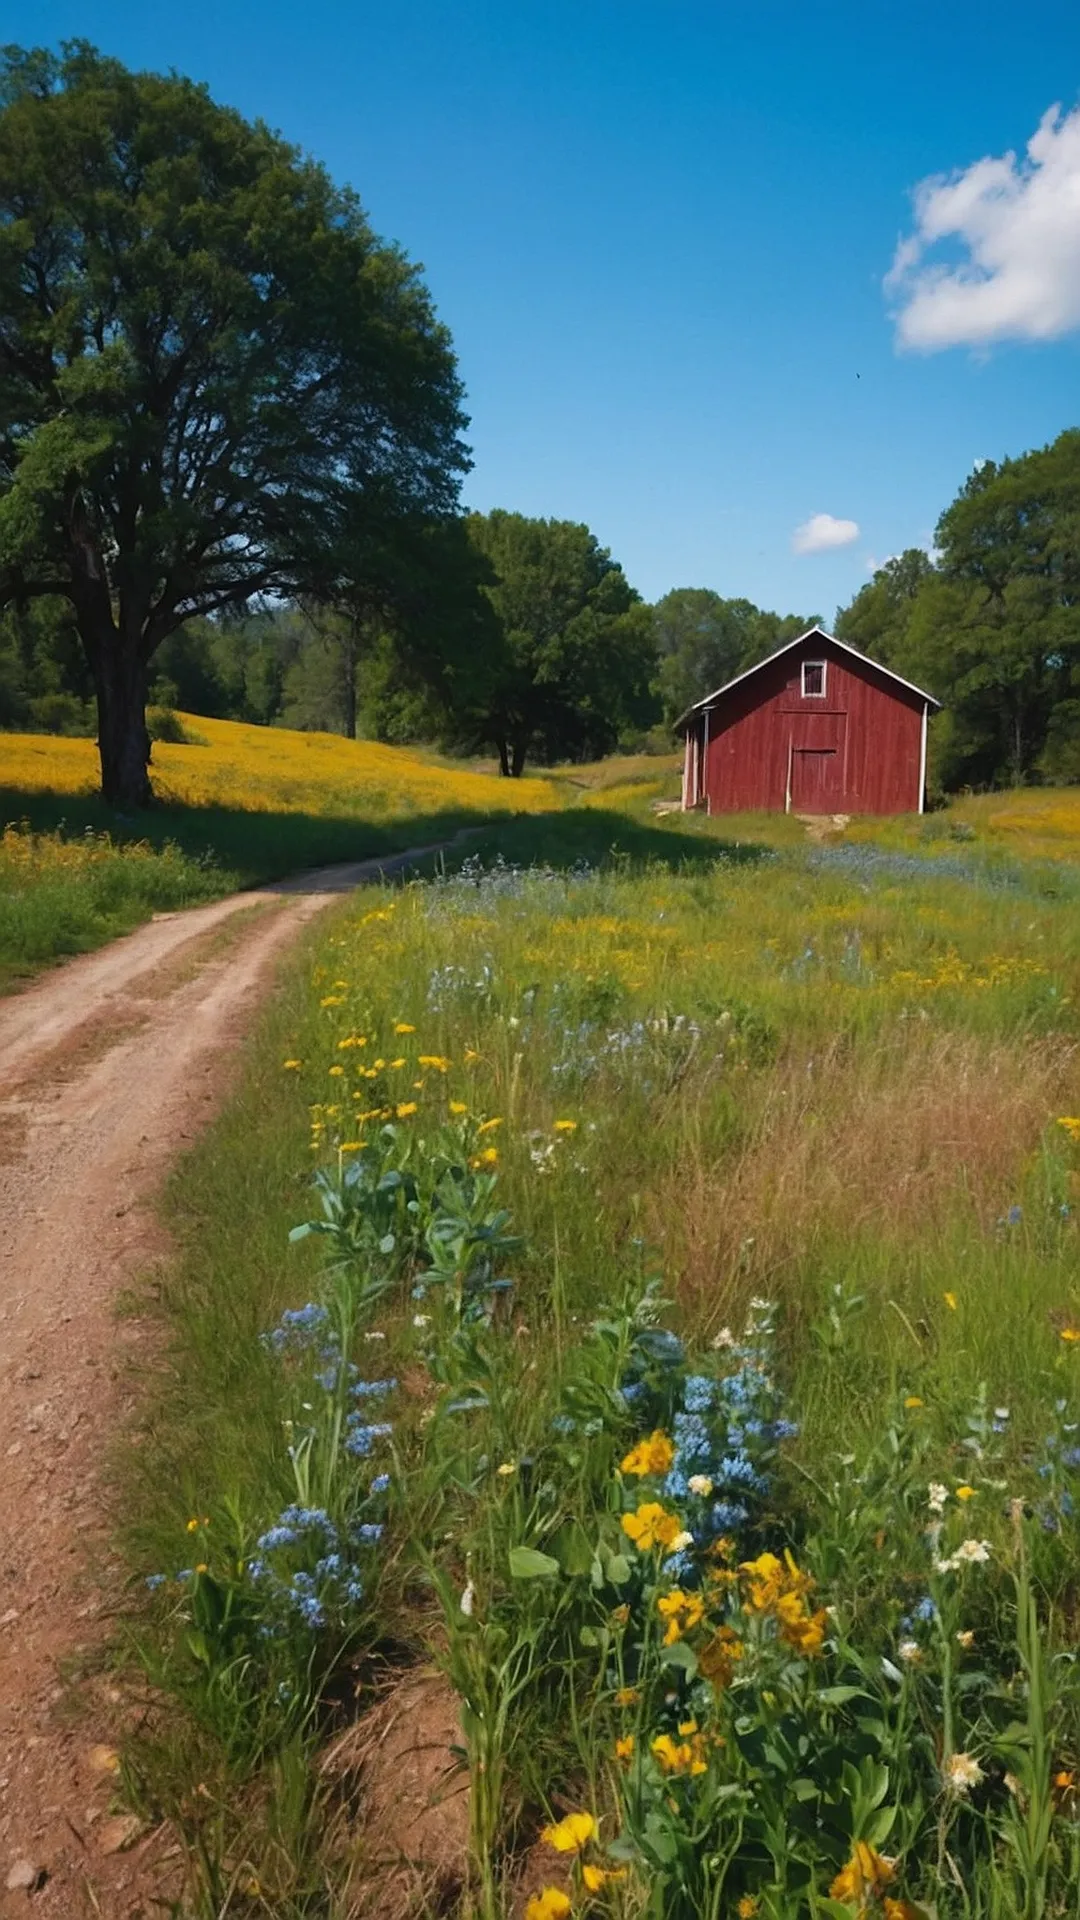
[109, 1067]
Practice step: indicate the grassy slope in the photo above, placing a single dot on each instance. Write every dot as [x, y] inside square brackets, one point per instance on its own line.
[244, 805]
[886, 1045]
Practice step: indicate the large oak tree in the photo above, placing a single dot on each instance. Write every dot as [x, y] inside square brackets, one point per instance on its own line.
[211, 372]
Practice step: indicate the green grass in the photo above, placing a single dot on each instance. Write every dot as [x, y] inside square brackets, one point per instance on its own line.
[832, 1084]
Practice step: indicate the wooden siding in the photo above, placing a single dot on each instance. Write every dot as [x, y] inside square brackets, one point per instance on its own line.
[857, 749]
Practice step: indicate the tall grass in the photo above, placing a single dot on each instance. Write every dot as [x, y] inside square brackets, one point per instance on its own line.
[835, 1086]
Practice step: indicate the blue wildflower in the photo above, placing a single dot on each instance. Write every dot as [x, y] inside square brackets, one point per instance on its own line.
[698, 1393]
[380, 1483]
[154, 1581]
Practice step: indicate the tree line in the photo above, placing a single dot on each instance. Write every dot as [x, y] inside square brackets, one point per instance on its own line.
[231, 459]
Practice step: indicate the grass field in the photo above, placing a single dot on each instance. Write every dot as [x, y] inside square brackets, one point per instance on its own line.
[685, 1369]
[236, 806]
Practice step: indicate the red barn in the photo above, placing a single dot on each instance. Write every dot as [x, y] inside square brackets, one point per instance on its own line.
[815, 728]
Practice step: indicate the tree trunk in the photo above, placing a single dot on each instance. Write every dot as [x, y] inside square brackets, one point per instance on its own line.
[518, 761]
[504, 760]
[123, 742]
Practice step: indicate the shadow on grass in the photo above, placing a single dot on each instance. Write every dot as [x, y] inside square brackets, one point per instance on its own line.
[251, 848]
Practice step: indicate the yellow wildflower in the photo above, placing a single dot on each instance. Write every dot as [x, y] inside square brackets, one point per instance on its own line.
[399, 1062]
[404, 1108]
[684, 1756]
[1070, 1333]
[403, 1026]
[458, 1107]
[965, 1493]
[571, 1833]
[1071, 1125]
[292, 1066]
[566, 1126]
[682, 1611]
[201, 1567]
[331, 1000]
[748, 1906]
[900, 1910]
[950, 1301]
[653, 1456]
[651, 1526]
[865, 1876]
[487, 1157]
[471, 1055]
[627, 1696]
[436, 1061]
[594, 1879]
[913, 1401]
[551, 1904]
[336, 1073]
[351, 1146]
[489, 1126]
[624, 1747]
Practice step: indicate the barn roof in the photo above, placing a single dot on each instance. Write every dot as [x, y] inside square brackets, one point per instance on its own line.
[811, 632]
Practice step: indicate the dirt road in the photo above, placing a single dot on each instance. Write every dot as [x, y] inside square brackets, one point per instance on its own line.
[108, 1068]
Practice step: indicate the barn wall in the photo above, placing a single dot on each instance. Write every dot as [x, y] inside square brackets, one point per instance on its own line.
[859, 748]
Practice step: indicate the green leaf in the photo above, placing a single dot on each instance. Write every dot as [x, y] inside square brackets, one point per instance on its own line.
[528, 1564]
[618, 1570]
[679, 1655]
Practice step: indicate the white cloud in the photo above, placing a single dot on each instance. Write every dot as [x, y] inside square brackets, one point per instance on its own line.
[823, 531]
[1017, 222]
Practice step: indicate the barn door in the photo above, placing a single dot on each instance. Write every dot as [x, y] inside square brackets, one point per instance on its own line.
[817, 763]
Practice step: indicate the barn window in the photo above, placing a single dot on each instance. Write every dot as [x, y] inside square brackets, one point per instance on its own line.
[813, 679]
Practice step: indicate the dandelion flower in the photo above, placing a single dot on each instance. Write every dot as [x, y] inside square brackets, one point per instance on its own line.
[551, 1904]
[1070, 1333]
[458, 1107]
[571, 1833]
[403, 1026]
[950, 1301]
[404, 1108]
[507, 1468]
[961, 1772]
[965, 1493]
[489, 1126]
[336, 1073]
[292, 1066]
[1071, 1124]
[913, 1401]
[624, 1747]
[748, 1906]
[566, 1126]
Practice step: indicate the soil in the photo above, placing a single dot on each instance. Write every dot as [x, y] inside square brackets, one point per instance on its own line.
[109, 1068]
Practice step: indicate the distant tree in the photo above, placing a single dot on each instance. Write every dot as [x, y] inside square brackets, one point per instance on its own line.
[877, 619]
[993, 629]
[703, 640]
[574, 653]
[208, 367]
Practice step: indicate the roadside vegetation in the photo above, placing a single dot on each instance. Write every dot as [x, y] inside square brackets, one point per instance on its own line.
[675, 1356]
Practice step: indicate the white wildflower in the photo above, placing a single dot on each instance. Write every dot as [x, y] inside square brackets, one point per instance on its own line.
[972, 1553]
[468, 1600]
[910, 1652]
[725, 1338]
[946, 1566]
[681, 1542]
[937, 1497]
[421, 1319]
[966, 1640]
[700, 1484]
[961, 1772]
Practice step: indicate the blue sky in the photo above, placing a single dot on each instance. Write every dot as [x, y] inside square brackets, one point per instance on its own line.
[659, 232]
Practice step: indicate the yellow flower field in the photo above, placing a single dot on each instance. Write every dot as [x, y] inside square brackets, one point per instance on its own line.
[275, 770]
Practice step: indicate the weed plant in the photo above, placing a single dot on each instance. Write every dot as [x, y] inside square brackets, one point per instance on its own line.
[678, 1347]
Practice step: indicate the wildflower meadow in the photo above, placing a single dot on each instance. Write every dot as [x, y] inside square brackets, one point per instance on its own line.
[643, 1300]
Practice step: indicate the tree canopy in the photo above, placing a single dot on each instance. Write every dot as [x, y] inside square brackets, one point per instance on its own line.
[703, 640]
[214, 379]
[572, 655]
[992, 627]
